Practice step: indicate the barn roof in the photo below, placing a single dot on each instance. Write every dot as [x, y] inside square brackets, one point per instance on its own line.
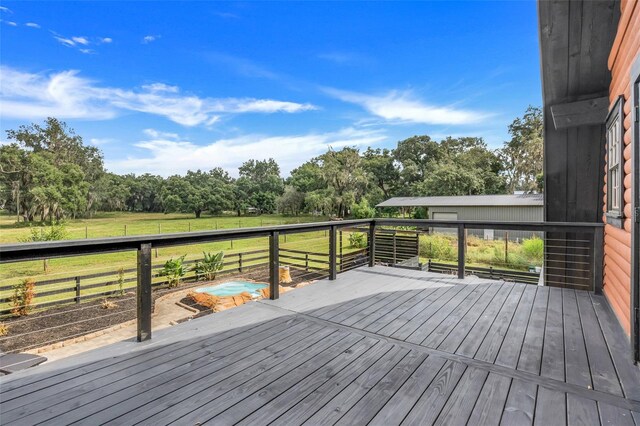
[466, 200]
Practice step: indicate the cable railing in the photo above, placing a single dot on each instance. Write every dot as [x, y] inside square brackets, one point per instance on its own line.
[572, 256]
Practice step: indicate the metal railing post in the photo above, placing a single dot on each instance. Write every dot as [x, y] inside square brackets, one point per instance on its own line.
[462, 245]
[332, 253]
[372, 244]
[274, 265]
[598, 259]
[143, 294]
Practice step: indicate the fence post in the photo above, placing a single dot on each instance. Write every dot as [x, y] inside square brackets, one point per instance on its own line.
[462, 245]
[86, 232]
[143, 294]
[274, 265]
[395, 257]
[332, 252]
[239, 262]
[189, 226]
[125, 230]
[77, 299]
[598, 257]
[372, 244]
[306, 262]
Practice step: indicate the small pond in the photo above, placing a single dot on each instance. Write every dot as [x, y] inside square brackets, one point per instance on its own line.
[232, 288]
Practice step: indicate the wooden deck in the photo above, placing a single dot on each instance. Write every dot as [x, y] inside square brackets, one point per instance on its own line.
[377, 346]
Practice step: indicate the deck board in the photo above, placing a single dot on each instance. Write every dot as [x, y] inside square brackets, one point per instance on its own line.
[378, 345]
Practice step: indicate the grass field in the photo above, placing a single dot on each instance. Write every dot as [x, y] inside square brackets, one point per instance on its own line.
[113, 224]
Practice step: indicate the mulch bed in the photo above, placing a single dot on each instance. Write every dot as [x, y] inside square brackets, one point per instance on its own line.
[66, 322]
[70, 321]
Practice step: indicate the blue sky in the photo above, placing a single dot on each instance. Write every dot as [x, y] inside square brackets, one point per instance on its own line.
[163, 87]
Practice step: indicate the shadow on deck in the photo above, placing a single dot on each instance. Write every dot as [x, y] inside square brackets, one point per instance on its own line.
[378, 345]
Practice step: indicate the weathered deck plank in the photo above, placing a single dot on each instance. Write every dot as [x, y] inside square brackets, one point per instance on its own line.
[402, 347]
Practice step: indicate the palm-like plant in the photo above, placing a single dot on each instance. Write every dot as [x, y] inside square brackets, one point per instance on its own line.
[174, 270]
[209, 266]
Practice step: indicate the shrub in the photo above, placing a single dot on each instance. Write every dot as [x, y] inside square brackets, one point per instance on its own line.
[121, 281]
[357, 240]
[210, 265]
[108, 304]
[53, 233]
[174, 270]
[438, 247]
[533, 248]
[362, 210]
[22, 299]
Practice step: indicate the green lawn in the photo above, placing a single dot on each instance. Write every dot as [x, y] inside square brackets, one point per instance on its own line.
[112, 224]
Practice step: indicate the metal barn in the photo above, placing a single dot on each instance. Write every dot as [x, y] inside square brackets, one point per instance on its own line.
[505, 208]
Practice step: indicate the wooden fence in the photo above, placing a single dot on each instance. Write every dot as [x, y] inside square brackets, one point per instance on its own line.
[75, 289]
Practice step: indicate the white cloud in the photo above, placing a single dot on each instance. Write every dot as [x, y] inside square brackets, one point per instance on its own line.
[81, 40]
[32, 25]
[404, 108]
[10, 23]
[5, 9]
[81, 43]
[150, 38]
[167, 154]
[67, 95]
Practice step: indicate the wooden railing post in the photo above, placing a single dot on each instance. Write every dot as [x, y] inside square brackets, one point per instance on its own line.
[143, 293]
[462, 245]
[372, 244]
[239, 262]
[77, 299]
[598, 259]
[274, 265]
[306, 262]
[332, 253]
[340, 253]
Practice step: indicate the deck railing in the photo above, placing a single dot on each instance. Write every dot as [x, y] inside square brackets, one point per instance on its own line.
[573, 253]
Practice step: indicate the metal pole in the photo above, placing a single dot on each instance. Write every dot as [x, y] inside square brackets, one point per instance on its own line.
[274, 266]
[462, 245]
[332, 252]
[143, 295]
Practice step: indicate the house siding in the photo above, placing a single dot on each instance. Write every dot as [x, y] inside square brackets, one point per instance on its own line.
[617, 241]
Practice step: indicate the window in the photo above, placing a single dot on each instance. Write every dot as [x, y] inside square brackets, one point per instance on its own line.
[615, 161]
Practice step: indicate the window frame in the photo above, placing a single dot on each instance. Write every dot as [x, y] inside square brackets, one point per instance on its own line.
[615, 184]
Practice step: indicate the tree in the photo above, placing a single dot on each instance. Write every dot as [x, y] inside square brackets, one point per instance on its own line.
[261, 182]
[522, 155]
[379, 164]
[49, 171]
[415, 156]
[343, 173]
[291, 201]
[450, 178]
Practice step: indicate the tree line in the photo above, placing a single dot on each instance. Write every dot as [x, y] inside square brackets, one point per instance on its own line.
[47, 173]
